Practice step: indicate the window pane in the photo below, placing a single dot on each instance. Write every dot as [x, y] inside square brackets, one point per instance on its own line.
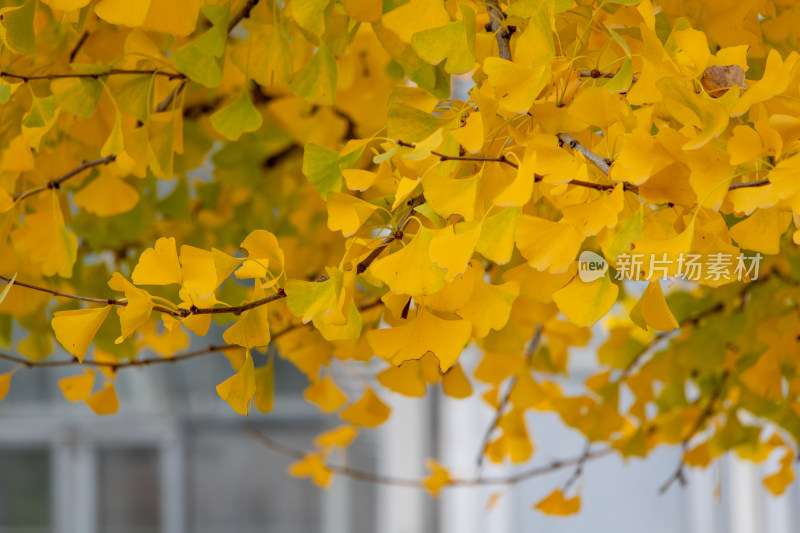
[24, 491]
[128, 491]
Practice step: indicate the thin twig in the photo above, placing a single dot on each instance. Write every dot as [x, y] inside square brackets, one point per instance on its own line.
[748, 184]
[707, 413]
[56, 183]
[78, 45]
[160, 108]
[587, 450]
[600, 162]
[413, 204]
[242, 14]
[112, 72]
[501, 407]
[380, 479]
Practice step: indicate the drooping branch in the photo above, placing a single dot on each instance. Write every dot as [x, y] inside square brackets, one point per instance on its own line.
[363, 475]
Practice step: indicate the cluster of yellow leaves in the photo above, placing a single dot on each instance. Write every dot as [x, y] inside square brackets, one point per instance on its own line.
[418, 223]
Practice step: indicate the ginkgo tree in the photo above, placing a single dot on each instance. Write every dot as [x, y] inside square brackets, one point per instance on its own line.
[621, 172]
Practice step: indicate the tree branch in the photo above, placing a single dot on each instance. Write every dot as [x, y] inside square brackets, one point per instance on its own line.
[498, 28]
[501, 407]
[56, 183]
[25, 78]
[600, 162]
[242, 14]
[380, 479]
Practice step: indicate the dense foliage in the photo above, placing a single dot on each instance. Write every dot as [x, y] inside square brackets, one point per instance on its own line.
[301, 173]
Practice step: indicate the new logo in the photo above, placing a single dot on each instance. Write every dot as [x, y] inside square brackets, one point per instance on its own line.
[591, 266]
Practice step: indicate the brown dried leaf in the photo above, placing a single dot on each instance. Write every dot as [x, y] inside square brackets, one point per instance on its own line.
[717, 79]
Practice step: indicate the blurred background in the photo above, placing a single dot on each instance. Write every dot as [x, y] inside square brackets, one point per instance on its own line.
[177, 459]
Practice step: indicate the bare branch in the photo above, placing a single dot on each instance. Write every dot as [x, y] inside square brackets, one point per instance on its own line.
[600, 162]
[25, 78]
[242, 14]
[500, 31]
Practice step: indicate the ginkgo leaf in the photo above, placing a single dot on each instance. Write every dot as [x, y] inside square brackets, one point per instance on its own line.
[414, 17]
[490, 305]
[106, 196]
[368, 411]
[46, 242]
[174, 17]
[454, 42]
[547, 245]
[438, 478]
[314, 467]
[158, 265]
[585, 303]
[252, 328]
[455, 383]
[239, 389]
[347, 213]
[341, 436]
[19, 28]
[325, 395]
[776, 483]
[307, 298]
[410, 270]
[316, 81]
[122, 12]
[199, 273]
[557, 504]
[426, 333]
[453, 247]
[239, 117]
[518, 85]
[652, 310]
[761, 231]
[5, 384]
[138, 309]
[77, 388]
[498, 234]
[76, 329]
[405, 379]
[104, 401]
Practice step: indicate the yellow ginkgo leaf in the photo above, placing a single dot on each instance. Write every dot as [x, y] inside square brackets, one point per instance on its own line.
[453, 247]
[591, 218]
[239, 389]
[455, 383]
[762, 231]
[652, 310]
[139, 307]
[261, 244]
[490, 305]
[198, 270]
[777, 482]
[46, 242]
[359, 180]
[585, 303]
[368, 411]
[5, 383]
[347, 213]
[518, 85]
[77, 388]
[498, 233]
[416, 16]
[453, 43]
[325, 395]
[519, 191]
[107, 195]
[313, 466]
[438, 478]
[252, 328]
[224, 264]
[426, 333]
[123, 12]
[105, 401]
[470, 135]
[341, 437]
[547, 245]
[405, 379]
[174, 17]
[75, 329]
[158, 265]
[410, 270]
[449, 196]
[308, 298]
[557, 504]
